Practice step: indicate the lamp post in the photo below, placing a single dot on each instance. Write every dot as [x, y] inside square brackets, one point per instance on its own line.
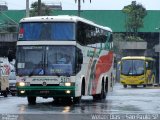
[158, 50]
[79, 6]
[39, 7]
[27, 8]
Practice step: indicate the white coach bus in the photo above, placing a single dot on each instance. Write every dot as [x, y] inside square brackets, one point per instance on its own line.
[63, 57]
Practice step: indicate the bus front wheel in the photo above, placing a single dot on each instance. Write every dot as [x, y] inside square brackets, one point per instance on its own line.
[125, 86]
[4, 93]
[76, 99]
[31, 100]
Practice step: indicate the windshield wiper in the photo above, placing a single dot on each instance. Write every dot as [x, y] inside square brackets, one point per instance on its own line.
[31, 74]
[63, 74]
[40, 67]
[129, 71]
[67, 74]
[135, 69]
[57, 74]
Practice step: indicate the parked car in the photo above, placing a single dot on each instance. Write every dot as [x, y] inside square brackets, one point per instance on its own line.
[4, 73]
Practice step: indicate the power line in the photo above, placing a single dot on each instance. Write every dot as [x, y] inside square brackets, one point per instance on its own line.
[8, 17]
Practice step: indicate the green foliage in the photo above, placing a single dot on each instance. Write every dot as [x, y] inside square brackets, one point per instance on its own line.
[135, 14]
[8, 26]
[44, 9]
[133, 38]
[11, 27]
[117, 38]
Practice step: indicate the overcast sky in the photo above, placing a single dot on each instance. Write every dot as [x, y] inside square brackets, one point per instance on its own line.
[95, 5]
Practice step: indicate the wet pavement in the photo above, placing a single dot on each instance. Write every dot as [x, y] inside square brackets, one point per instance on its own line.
[121, 101]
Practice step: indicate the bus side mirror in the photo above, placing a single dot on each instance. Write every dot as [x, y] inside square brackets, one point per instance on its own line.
[111, 38]
[146, 64]
[10, 55]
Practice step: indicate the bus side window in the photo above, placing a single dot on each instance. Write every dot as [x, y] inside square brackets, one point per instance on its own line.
[79, 60]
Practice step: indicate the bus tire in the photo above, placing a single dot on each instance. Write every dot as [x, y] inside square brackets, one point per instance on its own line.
[125, 86]
[103, 90]
[102, 95]
[95, 97]
[144, 85]
[13, 94]
[83, 88]
[5, 93]
[56, 100]
[106, 85]
[31, 100]
[76, 100]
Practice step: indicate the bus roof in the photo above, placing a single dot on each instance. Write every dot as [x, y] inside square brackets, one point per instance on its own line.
[62, 18]
[137, 58]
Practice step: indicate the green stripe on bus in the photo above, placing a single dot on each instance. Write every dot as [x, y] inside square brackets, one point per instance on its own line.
[46, 88]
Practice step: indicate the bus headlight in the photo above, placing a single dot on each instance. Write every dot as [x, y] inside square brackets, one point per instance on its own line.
[21, 84]
[68, 91]
[67, 84]
[22, 92]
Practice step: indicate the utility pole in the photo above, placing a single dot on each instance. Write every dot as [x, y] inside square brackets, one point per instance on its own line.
[158, 50]
[27, 8]
[79, 6]
[39, 7]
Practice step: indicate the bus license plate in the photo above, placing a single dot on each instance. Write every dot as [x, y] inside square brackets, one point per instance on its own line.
[44, 92]
[13, 88]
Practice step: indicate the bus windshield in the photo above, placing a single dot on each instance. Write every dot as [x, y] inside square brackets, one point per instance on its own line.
[45, 60]
[55, 31]
[132, 67]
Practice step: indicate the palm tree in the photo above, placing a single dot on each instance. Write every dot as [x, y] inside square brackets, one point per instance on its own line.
[44, 10]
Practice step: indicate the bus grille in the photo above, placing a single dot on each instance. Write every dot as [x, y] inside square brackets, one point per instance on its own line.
[42, 85]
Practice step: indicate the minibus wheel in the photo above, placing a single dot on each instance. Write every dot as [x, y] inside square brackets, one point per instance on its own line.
[125, 86]
[144, 86]
[31, 100]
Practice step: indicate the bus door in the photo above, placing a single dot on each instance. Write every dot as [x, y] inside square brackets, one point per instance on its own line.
[150, 73]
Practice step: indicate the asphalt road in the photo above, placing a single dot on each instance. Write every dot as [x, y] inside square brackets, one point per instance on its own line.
[145, 101]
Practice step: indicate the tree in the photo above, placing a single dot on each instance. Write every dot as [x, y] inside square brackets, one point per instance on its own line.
[8, 26]
[135, 14]
[44, 9]
[117, 38]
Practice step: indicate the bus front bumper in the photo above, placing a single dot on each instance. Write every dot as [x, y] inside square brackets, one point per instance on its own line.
[132, 82]
[46, 91]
